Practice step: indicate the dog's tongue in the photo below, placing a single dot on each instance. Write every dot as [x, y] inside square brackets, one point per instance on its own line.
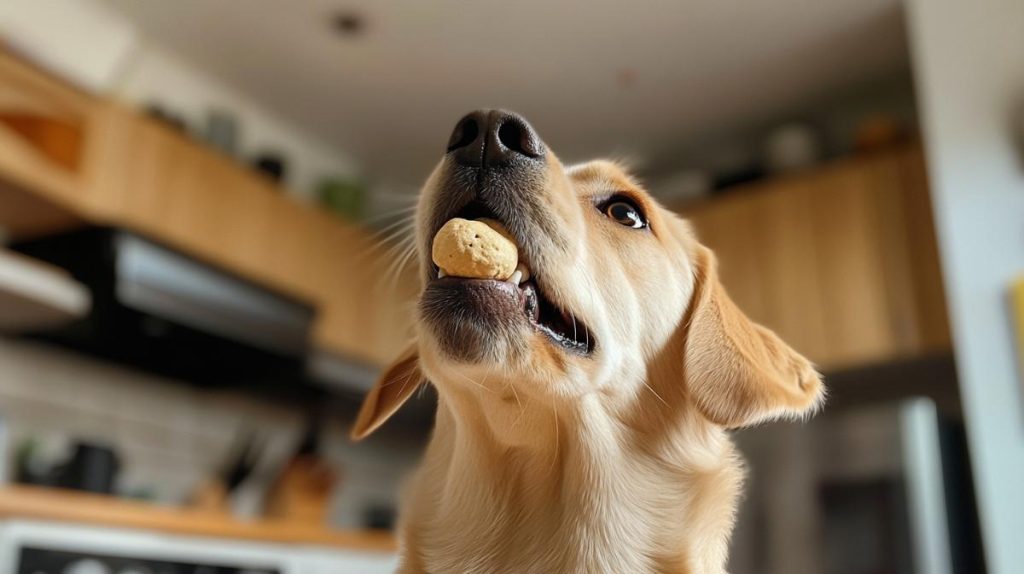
[481, 249]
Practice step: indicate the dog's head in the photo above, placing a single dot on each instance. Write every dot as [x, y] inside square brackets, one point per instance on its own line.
[619, 295]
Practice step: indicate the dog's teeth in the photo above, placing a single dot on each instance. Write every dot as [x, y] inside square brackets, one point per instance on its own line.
[440, 273]
[516, 277]
[524, 270]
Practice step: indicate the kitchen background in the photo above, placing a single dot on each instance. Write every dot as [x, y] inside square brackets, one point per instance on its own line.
[204, 206]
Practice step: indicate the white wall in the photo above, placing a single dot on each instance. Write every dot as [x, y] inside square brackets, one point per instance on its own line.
[969, 63]
[98, 49]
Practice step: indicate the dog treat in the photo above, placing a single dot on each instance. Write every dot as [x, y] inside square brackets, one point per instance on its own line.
[481, 249]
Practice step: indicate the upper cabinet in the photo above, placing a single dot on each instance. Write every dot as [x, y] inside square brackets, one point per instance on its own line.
[69, 159]
[45, 129]
[204, 204]
[841, 261]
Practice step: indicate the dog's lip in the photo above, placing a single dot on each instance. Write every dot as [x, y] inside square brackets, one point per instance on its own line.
[561, 328]
[541, 310]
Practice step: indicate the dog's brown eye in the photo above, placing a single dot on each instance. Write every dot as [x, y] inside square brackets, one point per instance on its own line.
[625, 213]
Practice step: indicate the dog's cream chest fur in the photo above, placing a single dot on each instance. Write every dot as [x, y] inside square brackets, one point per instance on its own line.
[574, 507]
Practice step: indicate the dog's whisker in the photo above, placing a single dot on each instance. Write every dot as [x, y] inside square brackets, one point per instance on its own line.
[394, 212]
[398, 248]
[407, 221]
[397, 245]
[393, 263]
[593, 305]
[522, 411]
[395, 272]
[382, 249]
[554, 457]
[398, 234]
[515, 393]
[390, 281]
[403, 379]
[653, 392]
[405, 382]
[474, 382]
[400, 223]
[407, 251]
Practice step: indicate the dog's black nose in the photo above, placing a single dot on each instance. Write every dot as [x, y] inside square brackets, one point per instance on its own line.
[489, 138]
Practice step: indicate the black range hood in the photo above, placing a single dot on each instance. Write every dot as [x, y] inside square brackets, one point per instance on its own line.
[166, 313]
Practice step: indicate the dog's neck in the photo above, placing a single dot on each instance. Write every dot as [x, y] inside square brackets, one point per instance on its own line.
[522, 485]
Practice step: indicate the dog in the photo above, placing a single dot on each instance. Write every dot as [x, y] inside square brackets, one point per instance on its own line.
[583, 413]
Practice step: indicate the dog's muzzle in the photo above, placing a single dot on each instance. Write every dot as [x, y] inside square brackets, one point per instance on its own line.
[497, 167]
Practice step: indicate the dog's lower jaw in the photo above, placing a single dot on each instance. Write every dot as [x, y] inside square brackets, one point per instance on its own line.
[581, 498]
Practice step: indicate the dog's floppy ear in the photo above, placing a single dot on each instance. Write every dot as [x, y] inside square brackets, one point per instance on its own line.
[737, 372]
[396, 384]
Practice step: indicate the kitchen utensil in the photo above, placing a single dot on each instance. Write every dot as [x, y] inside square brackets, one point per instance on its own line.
[302, 492]
[222, 131]
[271, 164]
[241, 462]
[92, 468]
[790, 147]
[876, 132]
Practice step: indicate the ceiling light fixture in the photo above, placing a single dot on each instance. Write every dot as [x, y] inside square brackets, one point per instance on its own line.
[349, 24]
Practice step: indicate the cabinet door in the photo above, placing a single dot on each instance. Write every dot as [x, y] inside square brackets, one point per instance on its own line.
[852, 265]
[880, 260]
[785, 249]
[764, 241]
[194, 200]
[729, 227]
[204, 204]
[927, 290]
[841, 262]
[45, 134]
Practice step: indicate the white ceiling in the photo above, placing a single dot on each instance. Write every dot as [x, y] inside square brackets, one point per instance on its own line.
[390, 96]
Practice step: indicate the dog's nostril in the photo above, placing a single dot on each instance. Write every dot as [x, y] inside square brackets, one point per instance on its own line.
[511, 136]
[464, 134]
[493, 138]
[518, 138]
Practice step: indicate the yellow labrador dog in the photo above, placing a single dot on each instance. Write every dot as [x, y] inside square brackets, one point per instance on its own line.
[583, 409]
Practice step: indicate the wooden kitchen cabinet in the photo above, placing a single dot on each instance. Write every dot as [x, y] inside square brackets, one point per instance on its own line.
[840, 261]
[204, 204]
[68, 159]
[190, 198]
[45, 138]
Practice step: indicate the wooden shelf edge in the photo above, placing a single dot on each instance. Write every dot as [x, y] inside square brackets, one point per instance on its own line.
[46, 504]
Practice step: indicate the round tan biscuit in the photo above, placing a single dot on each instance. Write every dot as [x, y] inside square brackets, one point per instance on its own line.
[481, 249]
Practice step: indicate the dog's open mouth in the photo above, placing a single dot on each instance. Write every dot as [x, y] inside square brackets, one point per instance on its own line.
[537, 307]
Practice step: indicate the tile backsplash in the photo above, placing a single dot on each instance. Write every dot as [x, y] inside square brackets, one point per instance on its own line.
[169, 435]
